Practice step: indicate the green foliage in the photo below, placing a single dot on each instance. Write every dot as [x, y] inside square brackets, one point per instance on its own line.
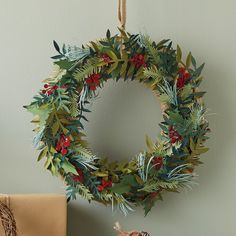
[153, 74]
[149, 202]
[154, 186]
[170, 92]
[178, 54]
[92, 66]
[151, 50]
[68, 167]
[74, 110]
[81, 190]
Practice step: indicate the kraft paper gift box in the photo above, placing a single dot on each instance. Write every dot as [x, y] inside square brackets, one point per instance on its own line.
[34, 215]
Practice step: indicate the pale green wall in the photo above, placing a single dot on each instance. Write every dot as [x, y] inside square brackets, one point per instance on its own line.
[206, 27]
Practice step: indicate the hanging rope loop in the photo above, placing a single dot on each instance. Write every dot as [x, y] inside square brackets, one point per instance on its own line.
[122, 13]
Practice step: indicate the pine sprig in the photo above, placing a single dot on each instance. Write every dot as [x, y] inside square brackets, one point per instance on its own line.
[92, 66]
[170, 92]
[151, 50]
[81, 190]
[74, 111]
[154, 74]
[155, 186]
[122, 204]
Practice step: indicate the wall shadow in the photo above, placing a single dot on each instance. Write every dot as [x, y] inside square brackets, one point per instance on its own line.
[82, 222]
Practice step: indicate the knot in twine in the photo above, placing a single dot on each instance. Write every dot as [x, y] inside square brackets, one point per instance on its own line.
[8, 220]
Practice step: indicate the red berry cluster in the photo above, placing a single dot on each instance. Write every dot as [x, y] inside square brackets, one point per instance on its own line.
[105, 58]
[48, 89]
[138, 60]
[93, 81]
[183, 76]
[63, 144]
[157, 162]
[104, 184]
[80, 177]
[174, 135]
[153, 194]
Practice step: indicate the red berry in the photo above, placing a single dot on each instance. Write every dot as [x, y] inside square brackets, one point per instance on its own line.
[93, 81]
[92, 87]
[157, 162]
[153, 194]
[89, 80]
[49, 92]
[187, 75]
[138, 60]
[109, 184]
[106, 183]
[55, 87]
[100, 188]
[96, 77]
[106, 58]
[64, 151]
[181, 70]
[140, 57]
[44, 91]
[180, 82]
[79, 177]
[58, 147]
[173, 140]
[66, 142]
[46, 86]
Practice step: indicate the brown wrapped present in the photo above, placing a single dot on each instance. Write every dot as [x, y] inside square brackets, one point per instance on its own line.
[33, 215]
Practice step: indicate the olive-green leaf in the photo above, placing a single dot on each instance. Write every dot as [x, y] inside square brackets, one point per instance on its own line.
[178, 54]
[68, 167]
[42, 154]
[189, 60]
[55, 128]
[149, 143]
[121, 188]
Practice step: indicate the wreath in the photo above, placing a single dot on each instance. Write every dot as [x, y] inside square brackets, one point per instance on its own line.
[60, 109]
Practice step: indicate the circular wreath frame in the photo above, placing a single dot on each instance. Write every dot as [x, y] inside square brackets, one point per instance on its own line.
[60, 109]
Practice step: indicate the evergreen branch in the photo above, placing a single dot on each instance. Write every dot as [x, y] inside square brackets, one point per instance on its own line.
[92, 66]
[122, 204]
[63, 100]
[81, 190]
[83, 152]
[155, 186]
[170, 91]
[87, 163]
[56, 74]
[153, 53]
[197, 115]
[153, 73]
[74, 111]
[184, 179]
[107, 197]
[74, 53]
[141, 166]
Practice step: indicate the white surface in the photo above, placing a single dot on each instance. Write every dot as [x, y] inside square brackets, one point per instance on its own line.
[206, 27]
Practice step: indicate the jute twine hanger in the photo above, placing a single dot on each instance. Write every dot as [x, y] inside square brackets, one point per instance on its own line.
[122, 13]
